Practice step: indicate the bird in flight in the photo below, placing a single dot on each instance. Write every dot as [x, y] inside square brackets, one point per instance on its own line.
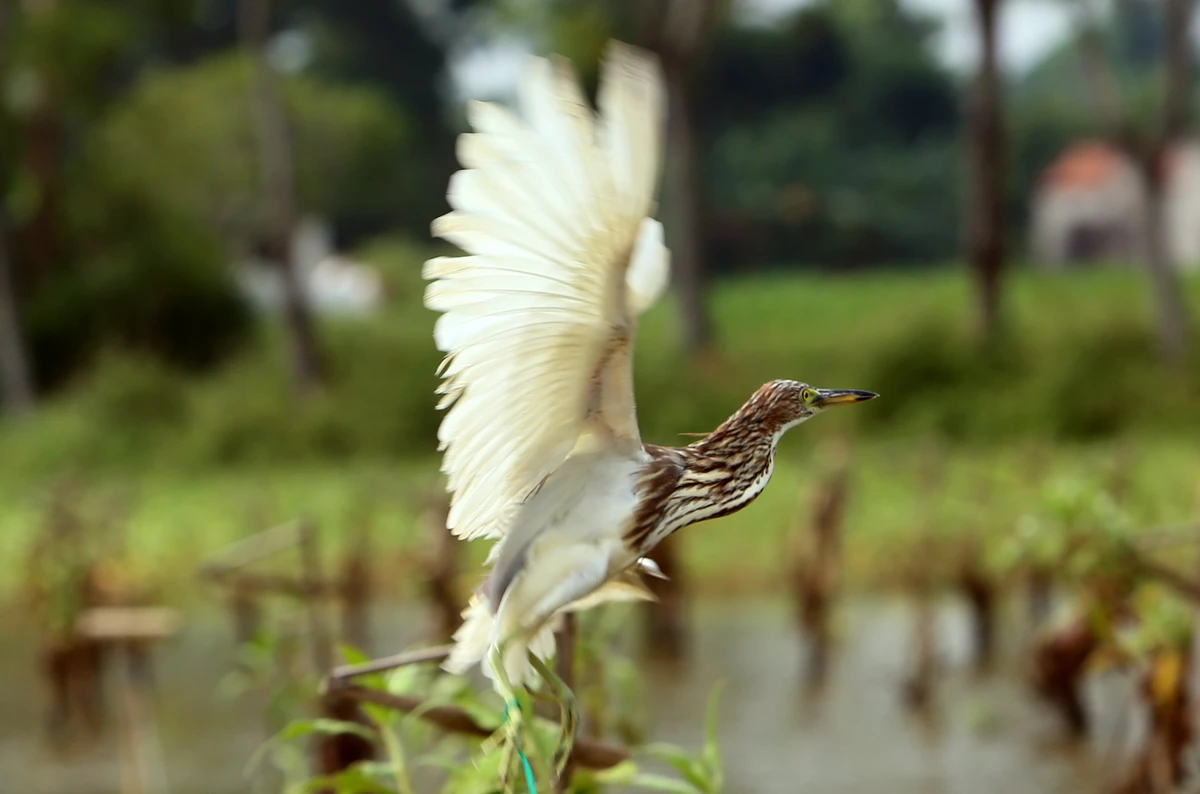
[540, 445]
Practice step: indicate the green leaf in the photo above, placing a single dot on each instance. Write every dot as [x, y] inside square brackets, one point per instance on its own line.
[681, 761]
[445, 764]
[378, 770]
[622, 773]
[256, 758]
[483, 714]
[449, 686]
[290, 760]
[403, 680]
[380, 715]
[712, 746]
[662, 783]
[432, 701]
[297, 729]
[334, 727]
[234, 684]
[481, 776]
[360, 778]
[353, 655]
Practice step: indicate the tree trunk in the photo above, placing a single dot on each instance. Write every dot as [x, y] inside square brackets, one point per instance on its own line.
[677, 30]
[16, 388]
[279, 194]
[1177, 104]
[686, 204]
[1194, 655]
[1147, 152]
[566, 640]
[986, 235]
[16, 385]
[443, 570]
[41, 238]
[1173, 322]
[1168, 291]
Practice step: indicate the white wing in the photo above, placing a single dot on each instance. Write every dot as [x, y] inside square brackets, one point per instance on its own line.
[538, 319]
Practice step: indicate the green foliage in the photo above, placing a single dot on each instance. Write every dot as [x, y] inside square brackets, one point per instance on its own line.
[1132, 37]
[147, 281]
[182, 514]
[806, 118]
[67, 55]
[703, 774]
[832, 132]
[409, 743]
[203, 450]
[613, 695]
[854, 205]
[272, 668]
[1165, 623]
[349, 145]
[576, 29]
[99, 264]
[1074, 527]
[249, 414]
[1079, 534]
[134, 393]
[1077, 365]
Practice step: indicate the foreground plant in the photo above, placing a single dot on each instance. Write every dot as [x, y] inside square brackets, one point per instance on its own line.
[470, 764]
[1123, 611]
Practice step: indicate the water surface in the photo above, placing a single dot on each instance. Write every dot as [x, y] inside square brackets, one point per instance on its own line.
[777, 735]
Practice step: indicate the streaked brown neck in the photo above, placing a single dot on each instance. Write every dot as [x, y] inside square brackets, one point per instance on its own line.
[713, 477]
[754, 426]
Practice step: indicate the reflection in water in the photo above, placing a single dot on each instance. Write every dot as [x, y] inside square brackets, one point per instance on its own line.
[780, 737]
[777, 735]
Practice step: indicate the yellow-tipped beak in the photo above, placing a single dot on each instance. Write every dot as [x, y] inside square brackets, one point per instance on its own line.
[828, 397]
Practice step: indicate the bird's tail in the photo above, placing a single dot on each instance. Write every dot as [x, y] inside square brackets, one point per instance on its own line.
[479, 632]
[481, 628]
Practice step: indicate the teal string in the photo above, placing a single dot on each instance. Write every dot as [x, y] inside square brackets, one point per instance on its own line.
[530, 780]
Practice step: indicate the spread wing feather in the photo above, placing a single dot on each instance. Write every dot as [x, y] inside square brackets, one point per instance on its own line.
[537, 319]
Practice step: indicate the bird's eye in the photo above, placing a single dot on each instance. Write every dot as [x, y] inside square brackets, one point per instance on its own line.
[808, 395]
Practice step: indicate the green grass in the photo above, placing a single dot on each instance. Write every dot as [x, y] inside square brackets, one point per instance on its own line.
[204, 461]
[1078, 364]
[175, 519]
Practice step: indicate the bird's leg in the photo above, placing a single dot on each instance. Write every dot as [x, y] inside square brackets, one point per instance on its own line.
[512, 731]
[569, 713]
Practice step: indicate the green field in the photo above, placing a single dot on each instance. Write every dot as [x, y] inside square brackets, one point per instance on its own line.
[1076, 389]
[175, 519]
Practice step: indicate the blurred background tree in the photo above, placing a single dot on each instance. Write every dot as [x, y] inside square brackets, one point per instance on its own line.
[833, 139]
[806, 119]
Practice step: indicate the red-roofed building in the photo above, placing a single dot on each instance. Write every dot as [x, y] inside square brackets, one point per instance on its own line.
[1089, 207]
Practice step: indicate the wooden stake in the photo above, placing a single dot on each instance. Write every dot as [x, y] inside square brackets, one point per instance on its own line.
[565, 663]
[666, 632]
[817, 572]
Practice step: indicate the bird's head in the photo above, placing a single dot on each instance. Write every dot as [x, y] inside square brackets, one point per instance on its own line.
[789, 402]
[776, 407]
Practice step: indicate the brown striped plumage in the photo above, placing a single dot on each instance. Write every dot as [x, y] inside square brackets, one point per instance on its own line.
[719, 474]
